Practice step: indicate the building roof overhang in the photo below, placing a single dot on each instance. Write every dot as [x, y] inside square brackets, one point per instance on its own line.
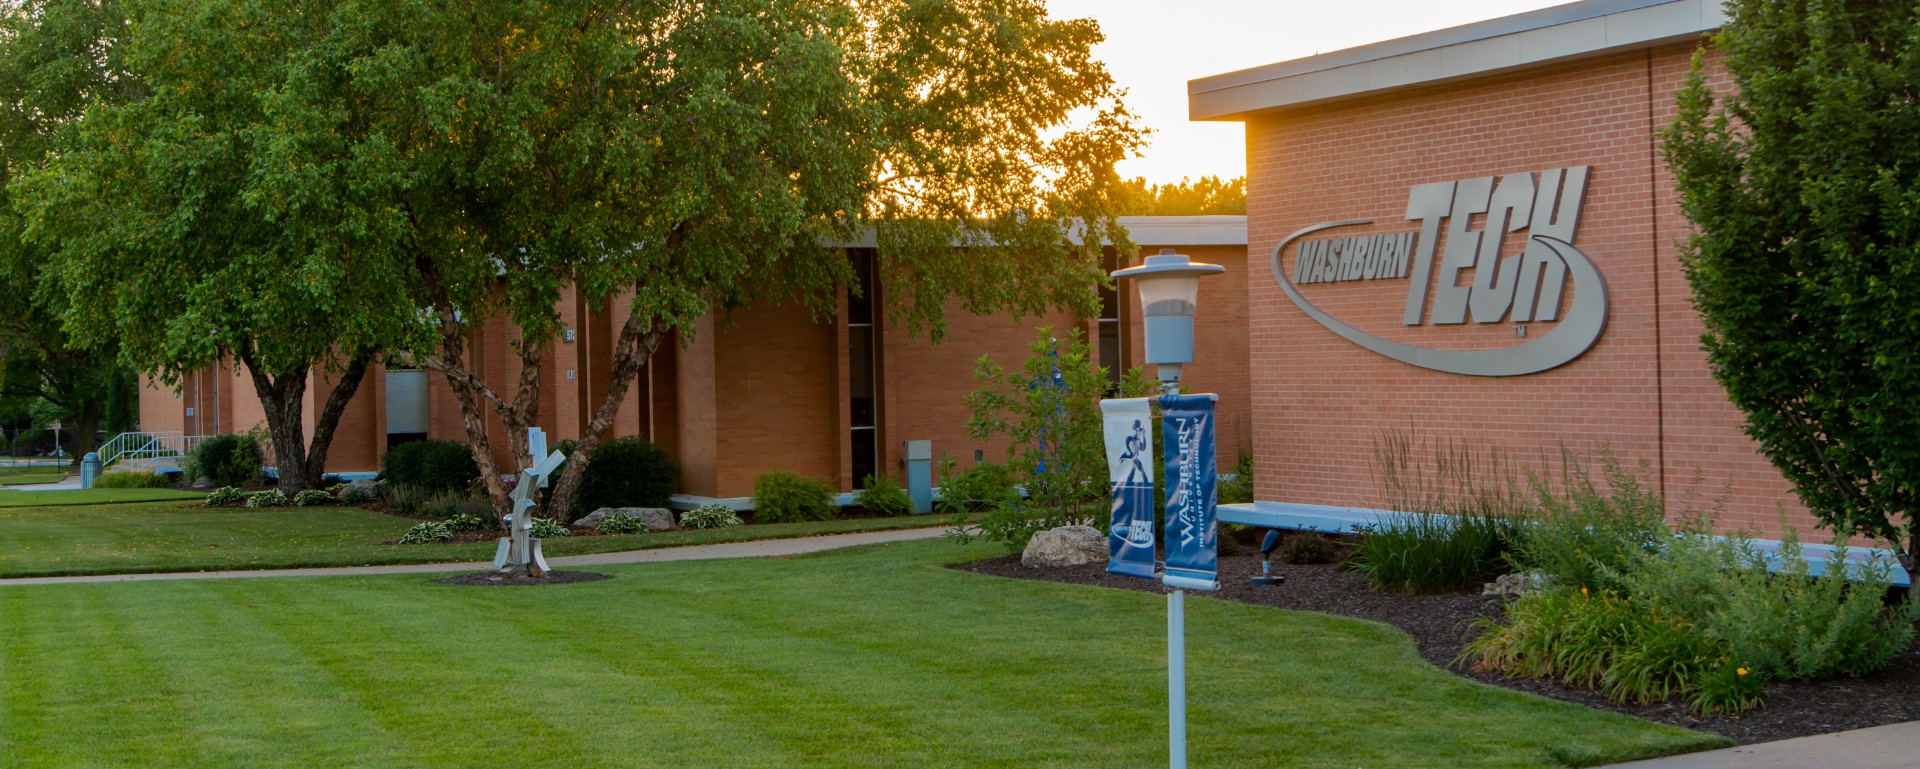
[1574, 30]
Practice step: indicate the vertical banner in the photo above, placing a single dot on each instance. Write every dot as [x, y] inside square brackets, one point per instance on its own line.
[1186, 429]
[1128, 424]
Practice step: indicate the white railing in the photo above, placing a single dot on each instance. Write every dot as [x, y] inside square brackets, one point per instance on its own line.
[147, 445]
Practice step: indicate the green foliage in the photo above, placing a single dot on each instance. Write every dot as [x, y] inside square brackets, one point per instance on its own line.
[1050, 408]
[353, 496]
[1588, 536]
[141, 479]
[1207, 196]
[226, 496]
[1456, 517]
[405, 498]
[56, 58]
[428, 532]
[1801, 181]
[1308, 547]
[884, 497]
[228, 460]
[1702, 619]
[785, 497]
[1423, 553]
[1783, 625]
[450, 504]
[985, 486]
[710, 517]
[547, 528]
[432, 465]
[627, 472]
[311, 497]
[460, 523]
[622, 524]
[268, 498]
[1239, 489]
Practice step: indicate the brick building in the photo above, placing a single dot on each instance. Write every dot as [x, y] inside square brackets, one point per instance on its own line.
[766, 388]
[1460, 179]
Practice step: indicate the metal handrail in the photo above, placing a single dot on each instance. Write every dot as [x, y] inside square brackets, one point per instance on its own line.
[147, 445]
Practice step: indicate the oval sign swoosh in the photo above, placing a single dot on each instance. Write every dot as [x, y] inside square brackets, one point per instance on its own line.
[1569, 339]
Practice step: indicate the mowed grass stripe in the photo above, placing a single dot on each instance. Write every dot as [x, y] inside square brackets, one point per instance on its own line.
[95, 714]
[874, 657]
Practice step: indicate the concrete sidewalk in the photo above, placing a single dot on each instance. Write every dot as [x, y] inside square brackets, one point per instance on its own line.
[755, 549]
[1896, 746]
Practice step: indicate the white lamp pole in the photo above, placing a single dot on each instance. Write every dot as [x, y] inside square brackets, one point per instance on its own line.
[1169, 286]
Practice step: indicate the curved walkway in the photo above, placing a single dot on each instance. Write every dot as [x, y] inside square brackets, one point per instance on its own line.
[754, 549]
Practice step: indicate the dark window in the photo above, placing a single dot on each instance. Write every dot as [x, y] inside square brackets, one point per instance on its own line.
[1112, 348]
[863, 374]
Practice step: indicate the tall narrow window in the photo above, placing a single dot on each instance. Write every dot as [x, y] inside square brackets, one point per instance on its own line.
[1111, 347]
[863, 377]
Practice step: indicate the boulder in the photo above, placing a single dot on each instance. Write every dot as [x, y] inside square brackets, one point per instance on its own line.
[1515, 584]
[367, 486]
[1065, 546]
[656, 518]
[201, 482]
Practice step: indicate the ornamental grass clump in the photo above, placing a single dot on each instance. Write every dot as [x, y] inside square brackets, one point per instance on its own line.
[1455, 519]
[1586, 534]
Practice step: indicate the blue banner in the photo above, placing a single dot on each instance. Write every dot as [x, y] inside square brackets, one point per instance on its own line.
[1128, 427]
[1186, 430]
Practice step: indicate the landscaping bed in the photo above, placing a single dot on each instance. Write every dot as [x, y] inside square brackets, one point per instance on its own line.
[1439, 627]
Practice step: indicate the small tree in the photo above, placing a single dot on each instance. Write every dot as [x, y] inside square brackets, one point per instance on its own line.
[1803, 182]
[1050, 408]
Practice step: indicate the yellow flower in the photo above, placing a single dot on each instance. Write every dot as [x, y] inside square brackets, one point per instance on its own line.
[1583, 591]
[1740, 671]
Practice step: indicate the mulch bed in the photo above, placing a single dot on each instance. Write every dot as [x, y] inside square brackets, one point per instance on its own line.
[488, 579]
[1439, 626]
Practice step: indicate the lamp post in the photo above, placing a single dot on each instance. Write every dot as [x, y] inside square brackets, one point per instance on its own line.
[1169, 286]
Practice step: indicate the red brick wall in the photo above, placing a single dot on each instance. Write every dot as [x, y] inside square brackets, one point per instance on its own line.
[776, 389]
[1320, 402]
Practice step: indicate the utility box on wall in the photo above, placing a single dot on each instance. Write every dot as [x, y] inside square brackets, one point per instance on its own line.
[920, 475]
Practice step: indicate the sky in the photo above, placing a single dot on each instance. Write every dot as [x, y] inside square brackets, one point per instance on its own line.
[1154, 47]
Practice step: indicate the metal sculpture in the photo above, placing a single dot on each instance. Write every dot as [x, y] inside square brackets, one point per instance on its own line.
[518, 554]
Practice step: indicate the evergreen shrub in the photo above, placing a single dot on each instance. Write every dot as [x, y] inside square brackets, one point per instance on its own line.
[627, 472]
[432, 465]
[790, 497]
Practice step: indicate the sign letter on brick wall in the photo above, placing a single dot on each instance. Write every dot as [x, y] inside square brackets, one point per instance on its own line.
[1523, 287]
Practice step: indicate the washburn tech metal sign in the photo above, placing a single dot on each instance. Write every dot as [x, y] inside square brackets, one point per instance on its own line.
[1525, 287]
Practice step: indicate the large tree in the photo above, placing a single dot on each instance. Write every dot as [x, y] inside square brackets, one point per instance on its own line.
[688, 157]
[1803, 181]
[56, 56]
[171, 229]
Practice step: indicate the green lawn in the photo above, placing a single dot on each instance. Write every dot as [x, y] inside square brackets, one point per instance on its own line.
[169, 536]
[29, 475]
[67, 497]
[871, 657]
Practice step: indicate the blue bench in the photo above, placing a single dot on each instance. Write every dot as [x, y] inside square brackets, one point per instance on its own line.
[1353, 520]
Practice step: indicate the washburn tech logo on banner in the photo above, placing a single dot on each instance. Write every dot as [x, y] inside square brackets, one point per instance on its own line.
[1525, 287]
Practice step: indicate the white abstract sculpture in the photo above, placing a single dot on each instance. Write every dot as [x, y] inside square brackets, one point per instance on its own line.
[518, 554]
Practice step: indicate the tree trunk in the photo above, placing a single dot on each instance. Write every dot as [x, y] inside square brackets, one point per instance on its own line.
[638, 340]
[329, 417]
[301, 466]
[86, 424]
[280, 395]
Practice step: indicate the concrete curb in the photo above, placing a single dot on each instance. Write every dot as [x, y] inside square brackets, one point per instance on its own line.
[755, 549]
[1895, 746]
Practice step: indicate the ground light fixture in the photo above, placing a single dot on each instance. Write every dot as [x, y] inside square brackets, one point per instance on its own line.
[1169, 285]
